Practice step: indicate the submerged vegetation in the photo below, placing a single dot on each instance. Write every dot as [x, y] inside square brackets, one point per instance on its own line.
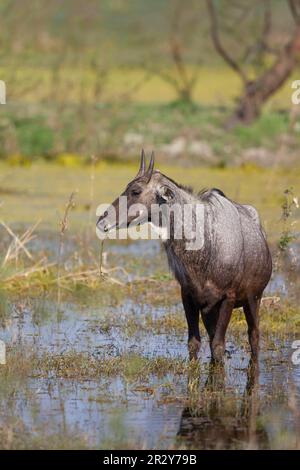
[80, 366]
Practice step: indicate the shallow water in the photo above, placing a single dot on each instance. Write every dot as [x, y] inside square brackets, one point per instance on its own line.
[113, 412]
[231, 408]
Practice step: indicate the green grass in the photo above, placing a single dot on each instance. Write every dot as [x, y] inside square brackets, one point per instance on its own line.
[263, 131]
[49, 130]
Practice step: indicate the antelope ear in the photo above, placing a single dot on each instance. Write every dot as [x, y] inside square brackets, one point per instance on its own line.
[165, 194]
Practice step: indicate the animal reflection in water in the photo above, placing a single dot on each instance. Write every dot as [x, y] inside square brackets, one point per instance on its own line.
[218, 419]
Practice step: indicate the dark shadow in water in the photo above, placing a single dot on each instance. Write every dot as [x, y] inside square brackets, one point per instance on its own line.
[221, 419]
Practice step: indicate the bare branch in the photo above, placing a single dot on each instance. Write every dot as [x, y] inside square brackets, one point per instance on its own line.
[261, 45]
[217, 42]
[168, 77]
[267, 20]
[176, 52]
[185, 80]
[295, 10]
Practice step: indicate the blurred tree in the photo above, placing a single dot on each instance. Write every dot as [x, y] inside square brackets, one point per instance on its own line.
[272, 58]
[174, 51]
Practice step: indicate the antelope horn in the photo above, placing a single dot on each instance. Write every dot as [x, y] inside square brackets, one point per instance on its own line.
[142, 165]
[151, 166]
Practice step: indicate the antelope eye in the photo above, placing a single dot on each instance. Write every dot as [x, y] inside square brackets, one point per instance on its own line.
[136, 192]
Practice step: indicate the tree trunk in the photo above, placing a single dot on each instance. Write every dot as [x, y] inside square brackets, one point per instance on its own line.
[258, 91]
[185, 95]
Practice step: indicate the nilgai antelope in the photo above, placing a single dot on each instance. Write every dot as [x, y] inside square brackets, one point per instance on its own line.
[231, 268]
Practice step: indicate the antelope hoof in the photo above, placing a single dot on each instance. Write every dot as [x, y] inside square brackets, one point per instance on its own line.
[218, 352]
[193, 346]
